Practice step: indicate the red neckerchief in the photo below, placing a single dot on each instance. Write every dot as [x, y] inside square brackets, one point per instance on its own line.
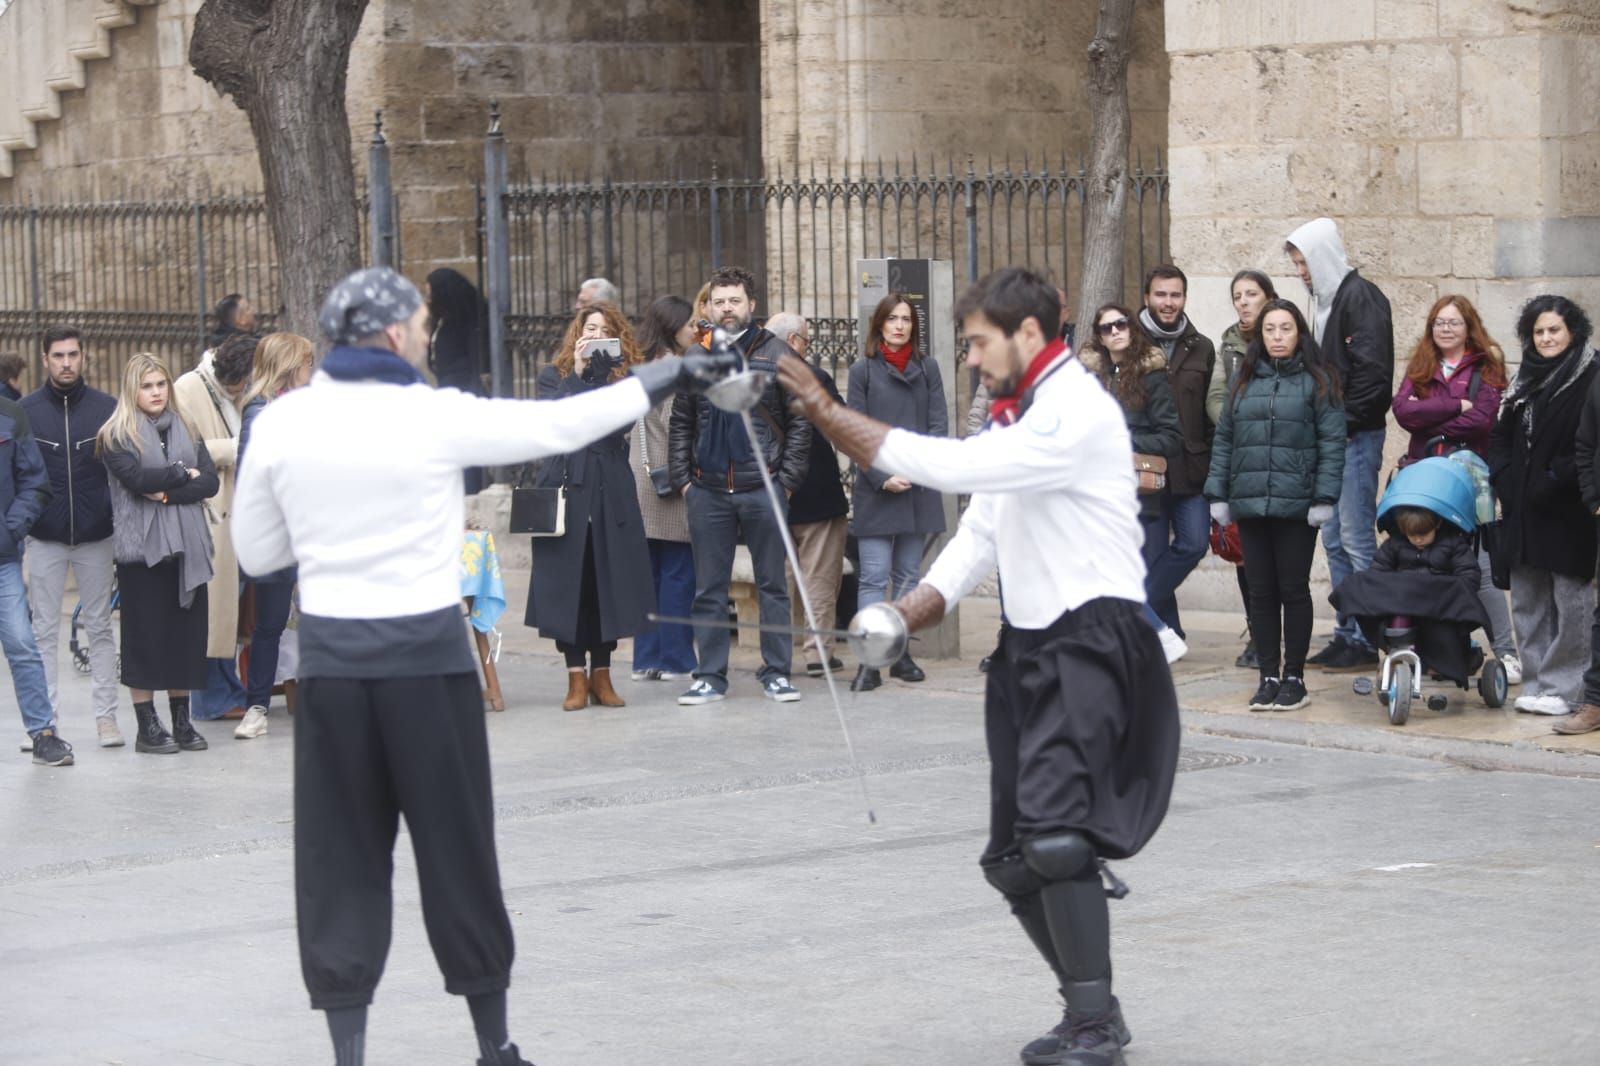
[899, 358]
[1004, 410]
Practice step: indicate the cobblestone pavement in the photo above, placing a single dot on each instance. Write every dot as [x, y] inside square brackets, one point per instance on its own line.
[702, 886]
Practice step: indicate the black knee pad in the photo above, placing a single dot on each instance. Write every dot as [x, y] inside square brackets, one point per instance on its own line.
[1013, 877]
[1061, 856]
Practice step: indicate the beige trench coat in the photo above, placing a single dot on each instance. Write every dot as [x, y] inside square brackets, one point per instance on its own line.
[215, 418]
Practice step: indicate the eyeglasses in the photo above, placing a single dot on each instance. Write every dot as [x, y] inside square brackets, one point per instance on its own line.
[1105, 329]
[1448, 323]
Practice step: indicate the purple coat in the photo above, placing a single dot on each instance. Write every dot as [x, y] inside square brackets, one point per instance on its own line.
[1440, 414]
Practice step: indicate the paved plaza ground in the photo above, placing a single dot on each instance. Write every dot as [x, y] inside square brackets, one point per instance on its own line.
[702, 886]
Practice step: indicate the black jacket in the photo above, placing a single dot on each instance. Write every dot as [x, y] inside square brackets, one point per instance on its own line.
[697, 428]
[1544, 521]
[65, 426]
[1588, 449]
[821, 495]
[1359, 344]
[1155, 428]
[24, 488]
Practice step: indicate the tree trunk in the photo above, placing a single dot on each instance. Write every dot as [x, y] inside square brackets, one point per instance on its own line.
[284, 62]
[1106, 207]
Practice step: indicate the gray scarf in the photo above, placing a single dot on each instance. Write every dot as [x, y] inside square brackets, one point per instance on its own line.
[1167, 338]
[165, 529]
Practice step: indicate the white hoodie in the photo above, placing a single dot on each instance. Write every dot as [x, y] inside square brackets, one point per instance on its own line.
[1319, 241]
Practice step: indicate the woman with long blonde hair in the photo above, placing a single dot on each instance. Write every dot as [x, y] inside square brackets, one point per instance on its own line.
[592, 585]
[283, 362]
[161, 476]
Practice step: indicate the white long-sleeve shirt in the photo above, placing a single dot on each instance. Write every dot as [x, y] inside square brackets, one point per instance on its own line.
[1054, 502]
[359, 483]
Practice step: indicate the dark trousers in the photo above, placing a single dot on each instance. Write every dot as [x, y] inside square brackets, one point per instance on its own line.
[272, 614]
[1591, 676]
[716, 520]
[366, 752]
[665, 646]
[1244, 593]
[589, 649]
[1277, 562]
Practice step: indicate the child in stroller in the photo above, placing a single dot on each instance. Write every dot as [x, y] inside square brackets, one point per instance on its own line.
[1419, 599]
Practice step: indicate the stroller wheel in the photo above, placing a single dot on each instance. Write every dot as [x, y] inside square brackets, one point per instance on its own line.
[80, 660]
[1492, 684]
[1400, 694]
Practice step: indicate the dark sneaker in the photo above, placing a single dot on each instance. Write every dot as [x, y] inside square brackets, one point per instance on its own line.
[1352, 657]
[698, 693]
[815, 669]
[1266, 696]
[866, 680]
[1320, 660]
[779, 690]
[906, 669]
[51, 750]
[1291, 695]
[1052, 1048]
[1248, 659]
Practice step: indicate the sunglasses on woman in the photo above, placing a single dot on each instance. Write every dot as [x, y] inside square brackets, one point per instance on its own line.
[1118, 325]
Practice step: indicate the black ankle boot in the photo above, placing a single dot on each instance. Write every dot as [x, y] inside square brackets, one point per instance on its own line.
[866, 680]
[152, 737]
[183, 729]
[907, 670]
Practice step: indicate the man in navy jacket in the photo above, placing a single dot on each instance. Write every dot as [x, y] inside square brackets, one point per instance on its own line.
[74, 530]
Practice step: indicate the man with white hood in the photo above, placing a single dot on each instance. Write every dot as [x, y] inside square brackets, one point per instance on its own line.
[1354, 330]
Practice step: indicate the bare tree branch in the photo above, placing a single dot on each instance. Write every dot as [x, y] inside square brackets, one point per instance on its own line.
[285, 62]
[1106, 209]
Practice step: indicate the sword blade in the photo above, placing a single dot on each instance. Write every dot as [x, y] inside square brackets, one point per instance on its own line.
[793, 631]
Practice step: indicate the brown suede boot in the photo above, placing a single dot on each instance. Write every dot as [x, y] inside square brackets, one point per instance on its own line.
[600, 690]
[577, 691]
[1587, 720]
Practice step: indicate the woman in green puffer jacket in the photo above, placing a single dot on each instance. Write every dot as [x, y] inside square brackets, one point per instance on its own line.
[1277, 466]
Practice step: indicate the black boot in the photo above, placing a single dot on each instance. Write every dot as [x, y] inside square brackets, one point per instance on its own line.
[152, 737]
[183, 729]
[906, 670]
[506, 1056]
[866, 680]
[1051, 1048]
[1248, 659]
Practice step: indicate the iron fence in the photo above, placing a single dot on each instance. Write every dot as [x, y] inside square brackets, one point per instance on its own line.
[800, 237]
[133, 276]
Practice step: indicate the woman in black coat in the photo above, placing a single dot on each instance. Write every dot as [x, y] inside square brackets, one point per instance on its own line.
[1132, 368]
[591, 586]
[458, 350]
[892, 519]
[1547, 535]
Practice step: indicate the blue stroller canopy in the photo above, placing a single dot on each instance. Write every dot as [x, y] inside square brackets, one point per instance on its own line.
[1435, 484]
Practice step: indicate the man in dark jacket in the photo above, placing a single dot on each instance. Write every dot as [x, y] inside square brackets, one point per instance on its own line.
[1190, 358]
[74, 531]
[24, 488]
[819, 515]
[1354, 331]
[712, 464]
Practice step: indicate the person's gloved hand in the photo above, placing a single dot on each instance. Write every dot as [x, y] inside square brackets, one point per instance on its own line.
[684, 373]
[1220, 514]
[1319, 515]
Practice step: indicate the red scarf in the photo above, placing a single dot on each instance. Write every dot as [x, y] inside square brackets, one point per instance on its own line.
[1004, 410]
[899, 358]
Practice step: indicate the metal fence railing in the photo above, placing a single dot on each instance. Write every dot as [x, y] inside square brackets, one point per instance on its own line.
[800, 236]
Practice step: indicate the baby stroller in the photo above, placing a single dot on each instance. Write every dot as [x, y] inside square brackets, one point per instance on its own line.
[1419, 617]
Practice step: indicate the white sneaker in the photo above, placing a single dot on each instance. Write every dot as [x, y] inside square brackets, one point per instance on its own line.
[252, 725]
[670, 675]
[110, 735]
[647, 674]
[1172, 644]
[1551, 705]
[1513, 667]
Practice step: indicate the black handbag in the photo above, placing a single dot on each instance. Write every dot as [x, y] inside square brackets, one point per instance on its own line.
[539, 511]
[1491, 535]
[660, 476]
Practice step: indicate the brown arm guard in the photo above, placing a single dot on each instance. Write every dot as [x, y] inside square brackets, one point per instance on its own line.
[851, 432]
[922, 607]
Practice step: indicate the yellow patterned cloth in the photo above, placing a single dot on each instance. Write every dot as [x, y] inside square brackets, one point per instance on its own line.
[481, 580]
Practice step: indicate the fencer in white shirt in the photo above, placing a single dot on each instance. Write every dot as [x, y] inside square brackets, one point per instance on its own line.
[1080, 714]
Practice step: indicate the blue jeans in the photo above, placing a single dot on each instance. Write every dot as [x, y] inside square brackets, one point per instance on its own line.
[666, 646]
[888, 567]
[222, 693]
[1168, 563]
[273, 600]
[22, 651]
[1351, 537]
[716, 520]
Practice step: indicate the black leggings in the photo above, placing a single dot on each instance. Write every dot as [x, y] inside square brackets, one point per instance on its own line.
[1277, 563]
[1244, 593]
[588, 646]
